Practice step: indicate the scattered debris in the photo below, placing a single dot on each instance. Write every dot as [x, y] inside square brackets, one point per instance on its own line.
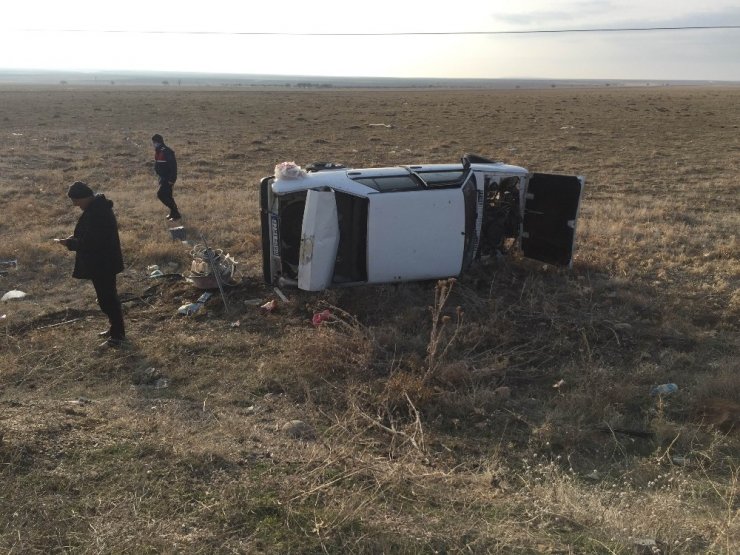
[218, 264]
[559, 384]
[321, 317]
[14, 294]
[253, 302]
[192, 308]
[236, 324]
[663, 389]
[155, 271]
[211, 268]
[386, 125]
[269, 306]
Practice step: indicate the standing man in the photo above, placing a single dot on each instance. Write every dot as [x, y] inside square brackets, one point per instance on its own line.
[98, 254]
[165, 166]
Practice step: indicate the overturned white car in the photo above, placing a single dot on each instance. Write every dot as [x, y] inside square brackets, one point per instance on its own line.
[332, 226]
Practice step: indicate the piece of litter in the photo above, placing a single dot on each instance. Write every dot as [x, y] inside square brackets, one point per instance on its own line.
[559, 384]
[188, 309]
[236, 324]
[269, 306]
[321, 317]
[192, 308]
[14, 294]
[289, 170]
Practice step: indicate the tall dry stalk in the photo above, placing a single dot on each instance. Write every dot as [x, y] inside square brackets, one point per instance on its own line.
[440, 342]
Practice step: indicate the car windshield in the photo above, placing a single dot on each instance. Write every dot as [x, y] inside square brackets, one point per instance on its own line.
[441, 178]
[387, 184]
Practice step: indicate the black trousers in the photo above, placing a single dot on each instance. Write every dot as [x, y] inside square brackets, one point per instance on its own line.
[110, 304]
[164, 194]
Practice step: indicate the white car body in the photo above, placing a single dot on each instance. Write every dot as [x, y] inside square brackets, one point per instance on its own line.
[341, 227]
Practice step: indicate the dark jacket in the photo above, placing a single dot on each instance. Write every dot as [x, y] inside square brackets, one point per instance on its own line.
[165, 164]
[95, 241]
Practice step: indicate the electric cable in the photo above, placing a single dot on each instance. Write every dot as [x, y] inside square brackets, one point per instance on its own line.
[388, 33]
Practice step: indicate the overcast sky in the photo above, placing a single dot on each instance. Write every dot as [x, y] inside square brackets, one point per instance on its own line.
[168, 36]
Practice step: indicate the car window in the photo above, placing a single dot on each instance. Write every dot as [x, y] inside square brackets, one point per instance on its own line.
[442, 178]
[390, 183]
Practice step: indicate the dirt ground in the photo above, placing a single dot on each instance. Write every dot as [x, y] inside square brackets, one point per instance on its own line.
[534, 429]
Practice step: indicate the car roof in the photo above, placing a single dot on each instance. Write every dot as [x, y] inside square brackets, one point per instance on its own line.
[344, 179]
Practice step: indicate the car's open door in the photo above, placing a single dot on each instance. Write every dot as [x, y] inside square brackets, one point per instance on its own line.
[549, 221]
[319, 241]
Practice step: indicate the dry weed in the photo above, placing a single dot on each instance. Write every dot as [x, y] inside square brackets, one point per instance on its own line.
[525, 425]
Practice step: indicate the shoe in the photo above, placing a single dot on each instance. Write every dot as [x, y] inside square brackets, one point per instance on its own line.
[174, 218]
[113, 342]
[105, 333]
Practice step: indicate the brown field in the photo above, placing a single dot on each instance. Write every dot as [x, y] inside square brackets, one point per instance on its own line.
[418, 438]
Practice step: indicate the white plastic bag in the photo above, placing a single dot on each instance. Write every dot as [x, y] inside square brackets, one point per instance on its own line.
[14, 294]
[289, 170]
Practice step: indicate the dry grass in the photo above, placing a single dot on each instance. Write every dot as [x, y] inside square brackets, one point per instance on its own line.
[432, 420]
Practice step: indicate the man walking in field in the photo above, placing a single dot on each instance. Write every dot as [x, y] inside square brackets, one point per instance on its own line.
[98, 255]
[165, 166]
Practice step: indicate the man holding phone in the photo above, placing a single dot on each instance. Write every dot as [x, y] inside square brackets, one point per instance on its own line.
[98, 255]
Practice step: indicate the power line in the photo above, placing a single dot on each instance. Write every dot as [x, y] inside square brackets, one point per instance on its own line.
[391, 34]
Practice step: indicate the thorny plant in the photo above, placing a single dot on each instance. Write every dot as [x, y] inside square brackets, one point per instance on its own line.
[439, 343]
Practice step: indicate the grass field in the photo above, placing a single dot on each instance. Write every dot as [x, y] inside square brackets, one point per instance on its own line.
[522, 422]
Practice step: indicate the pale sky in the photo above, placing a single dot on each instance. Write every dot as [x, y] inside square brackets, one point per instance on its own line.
[163, 36]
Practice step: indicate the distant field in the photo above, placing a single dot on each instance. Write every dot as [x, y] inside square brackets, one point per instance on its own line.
[420, 440]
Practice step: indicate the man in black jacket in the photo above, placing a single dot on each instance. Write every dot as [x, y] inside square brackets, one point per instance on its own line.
[98, 254]
[165, 166]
